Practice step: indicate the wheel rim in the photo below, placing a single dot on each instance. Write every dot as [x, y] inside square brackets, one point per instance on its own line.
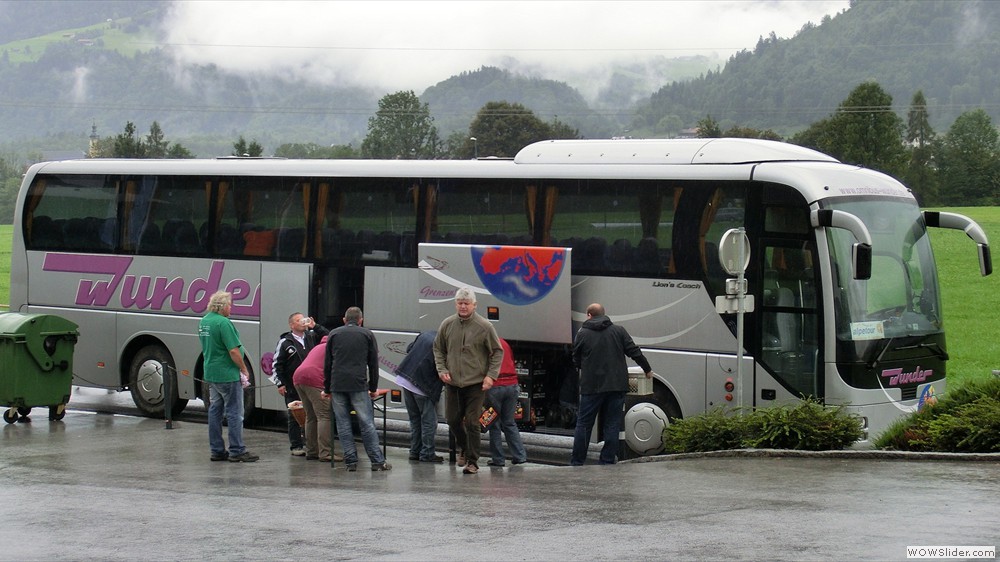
[149, 381]
[644, 425]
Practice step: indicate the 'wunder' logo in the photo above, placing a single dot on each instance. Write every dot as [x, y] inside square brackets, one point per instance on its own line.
[145, 292]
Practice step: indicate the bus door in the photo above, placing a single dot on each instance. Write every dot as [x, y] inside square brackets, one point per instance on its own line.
[788, 317]
[284, 289]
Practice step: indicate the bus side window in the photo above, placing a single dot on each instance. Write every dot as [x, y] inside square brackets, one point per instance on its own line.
[259, 242]
[45, 233]
[149, 240]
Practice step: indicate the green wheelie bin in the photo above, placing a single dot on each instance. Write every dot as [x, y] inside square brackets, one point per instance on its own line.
[36, 364]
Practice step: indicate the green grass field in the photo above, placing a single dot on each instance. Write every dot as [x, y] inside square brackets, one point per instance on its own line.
[112, 38]
[970, 300]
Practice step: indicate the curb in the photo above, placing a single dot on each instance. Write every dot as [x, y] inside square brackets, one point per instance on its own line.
[849, 454]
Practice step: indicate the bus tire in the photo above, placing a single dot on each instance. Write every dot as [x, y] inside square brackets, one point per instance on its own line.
[249, 395]
[645, 418]
[145, 381]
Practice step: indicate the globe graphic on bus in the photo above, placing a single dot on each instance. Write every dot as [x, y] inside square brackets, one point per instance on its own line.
[518, 275]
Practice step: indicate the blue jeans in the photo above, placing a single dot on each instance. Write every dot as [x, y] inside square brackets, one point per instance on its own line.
[610, 405]
[423, 424]
[225, 398]
[504, 400]
[361, 403]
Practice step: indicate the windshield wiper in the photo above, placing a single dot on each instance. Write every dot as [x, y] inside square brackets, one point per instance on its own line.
[934, 347]
[878, 356]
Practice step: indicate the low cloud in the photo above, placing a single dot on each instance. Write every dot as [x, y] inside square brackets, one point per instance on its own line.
[391, 46]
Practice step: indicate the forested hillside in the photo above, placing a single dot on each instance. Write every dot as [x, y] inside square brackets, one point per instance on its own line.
[455, 101]
[946, 48]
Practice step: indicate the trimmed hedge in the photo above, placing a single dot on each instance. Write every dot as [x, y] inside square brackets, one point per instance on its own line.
[807, 426]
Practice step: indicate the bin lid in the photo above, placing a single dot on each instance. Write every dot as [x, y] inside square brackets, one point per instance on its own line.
[32, 331]
[18, 324]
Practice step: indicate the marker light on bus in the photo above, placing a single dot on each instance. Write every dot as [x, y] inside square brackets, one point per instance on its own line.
[729, 386]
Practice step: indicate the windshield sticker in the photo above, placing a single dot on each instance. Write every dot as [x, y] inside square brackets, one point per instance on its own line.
[867, 330]
[928, 397]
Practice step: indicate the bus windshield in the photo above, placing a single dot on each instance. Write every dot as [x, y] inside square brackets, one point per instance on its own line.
[902, 296]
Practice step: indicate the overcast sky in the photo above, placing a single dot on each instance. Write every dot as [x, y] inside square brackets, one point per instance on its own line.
[410, 45]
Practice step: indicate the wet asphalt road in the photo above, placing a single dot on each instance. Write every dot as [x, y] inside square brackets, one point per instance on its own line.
[118, 487]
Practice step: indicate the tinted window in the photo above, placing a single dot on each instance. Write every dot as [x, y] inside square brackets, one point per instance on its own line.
[75, 213]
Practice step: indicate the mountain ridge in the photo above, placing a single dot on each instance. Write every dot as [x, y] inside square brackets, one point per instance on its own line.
[941, 47]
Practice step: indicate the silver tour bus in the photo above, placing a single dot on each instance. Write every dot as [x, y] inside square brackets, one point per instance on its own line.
[846, 306]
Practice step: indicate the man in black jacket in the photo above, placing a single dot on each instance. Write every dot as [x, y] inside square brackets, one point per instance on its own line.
[350, 379]
[599, 352]
[303, 334]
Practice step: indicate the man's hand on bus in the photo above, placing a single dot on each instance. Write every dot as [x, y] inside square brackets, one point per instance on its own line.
[487, 383]
[281, 390]
[649, 374]
[445, 377]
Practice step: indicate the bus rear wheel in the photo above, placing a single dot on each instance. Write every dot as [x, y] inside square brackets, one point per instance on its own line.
[149, 368]
[645, 418]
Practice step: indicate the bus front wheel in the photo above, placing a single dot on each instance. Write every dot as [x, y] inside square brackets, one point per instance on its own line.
[149, 368]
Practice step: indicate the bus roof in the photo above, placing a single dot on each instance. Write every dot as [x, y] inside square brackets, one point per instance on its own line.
[653, 159]
[666, 151]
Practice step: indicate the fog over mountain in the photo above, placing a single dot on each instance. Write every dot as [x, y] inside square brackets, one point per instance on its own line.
[391, 46]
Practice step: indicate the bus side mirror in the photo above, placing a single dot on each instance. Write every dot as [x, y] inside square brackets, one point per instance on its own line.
[941, 219]
[985, 260]
[861, 257]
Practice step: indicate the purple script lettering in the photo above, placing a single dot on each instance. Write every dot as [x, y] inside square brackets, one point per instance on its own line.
[144, 291]
[428, 292]
[897, 376]
[89, 292]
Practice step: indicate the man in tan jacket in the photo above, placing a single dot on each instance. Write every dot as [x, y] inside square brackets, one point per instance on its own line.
[467, 354]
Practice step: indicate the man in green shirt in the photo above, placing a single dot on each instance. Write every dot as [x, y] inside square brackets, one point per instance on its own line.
[223, 367]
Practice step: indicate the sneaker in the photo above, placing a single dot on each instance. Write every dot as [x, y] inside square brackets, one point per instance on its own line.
[435, 458]
[519, 462]
[461, 460]
[219, 457]
[352, 467]
[298, 452]
[381, 467]
[245, 456]
[496, 464]
[470, 468]
[338, 458]
[414, 457]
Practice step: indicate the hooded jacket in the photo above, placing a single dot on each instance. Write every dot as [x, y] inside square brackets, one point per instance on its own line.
[599, 351]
